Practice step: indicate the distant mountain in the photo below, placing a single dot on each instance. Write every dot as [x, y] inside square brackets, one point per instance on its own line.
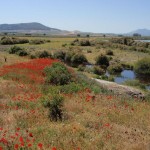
[143, 32]
[33, 27]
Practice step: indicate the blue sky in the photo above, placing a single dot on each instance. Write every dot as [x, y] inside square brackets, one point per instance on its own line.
[107, 16]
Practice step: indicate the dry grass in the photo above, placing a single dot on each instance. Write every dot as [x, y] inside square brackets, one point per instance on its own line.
[107, 122]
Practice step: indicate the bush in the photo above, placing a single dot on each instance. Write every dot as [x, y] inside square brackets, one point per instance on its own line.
[15, 49]
[22, 53]
[12, 40]
[60, 55]
[78, 59]
[102, 60]
[57, 74]
[32, 56]
[68, 57]
[97, 70]
[64, 45]
[81, 68]
[44, 54]
[75, 42]
[6, 41]
[109, 52]
[55, 107]
[89, 51]
[115, 68]
[20, 41]
[84, 43]
[18, 50]
[37, 41]
[142, 67]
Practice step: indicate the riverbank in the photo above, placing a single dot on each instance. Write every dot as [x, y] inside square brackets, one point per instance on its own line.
[121, 89]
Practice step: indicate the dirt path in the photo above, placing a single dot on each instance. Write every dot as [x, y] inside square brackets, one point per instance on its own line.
[121, 89]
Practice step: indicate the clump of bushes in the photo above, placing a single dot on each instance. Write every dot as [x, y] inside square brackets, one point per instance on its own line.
[115, 68]
[75, 59]
[57, 74]
[78, 59]
[75, 42]
[60, 55]
[109, 52]
[37, 41]
[89, 51]
[64, 45]
[142, 67]
[13, 40]
[81, 68]
[55, 107]
[98, 70]
[84, 43]
[102, 60]
[18, 50]
[44, 54]
[68, 57]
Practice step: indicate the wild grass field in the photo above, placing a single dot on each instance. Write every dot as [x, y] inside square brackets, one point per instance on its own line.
[92, 118]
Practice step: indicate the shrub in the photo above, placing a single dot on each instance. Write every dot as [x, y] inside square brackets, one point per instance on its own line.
[55, 107]
[115, 68]
[81, 68]
[57, 74]
[13, 40]
[37, 41]
[98, 70]
[18, 50]
[14, 49]
[68, 57]
[6, 41]
[89, 51]
[60, 55]
[75, 42]
[32, 56]
[78, 59]
[109, 52]
[127, 66]
[22, 53]
[142, 67]
[48, 41]
[84, 43]
[44, 54]
[20, 41]
[102, 60]
[64, 45]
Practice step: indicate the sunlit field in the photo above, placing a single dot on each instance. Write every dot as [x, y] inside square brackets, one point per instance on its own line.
[90, 120]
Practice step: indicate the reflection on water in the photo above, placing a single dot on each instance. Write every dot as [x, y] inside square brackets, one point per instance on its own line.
[125, 75]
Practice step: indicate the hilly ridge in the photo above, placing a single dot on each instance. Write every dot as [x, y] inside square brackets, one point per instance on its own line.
[33, 27]
[143, 32]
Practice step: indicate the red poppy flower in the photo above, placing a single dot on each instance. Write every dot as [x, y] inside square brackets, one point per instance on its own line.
[40, 145]
[30, 134]
[18, 129]
[16, 146]
[1, 148]
[54, 148]
[29, 145]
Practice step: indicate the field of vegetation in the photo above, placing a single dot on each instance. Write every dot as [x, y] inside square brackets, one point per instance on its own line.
[48, 100]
